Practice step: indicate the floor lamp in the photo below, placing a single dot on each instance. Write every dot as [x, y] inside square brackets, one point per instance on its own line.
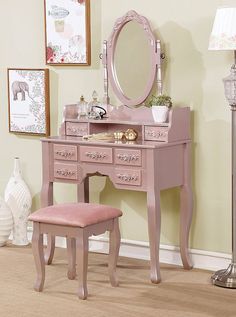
[223, 37]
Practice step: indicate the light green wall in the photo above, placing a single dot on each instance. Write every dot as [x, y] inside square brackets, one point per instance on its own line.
[193, 77]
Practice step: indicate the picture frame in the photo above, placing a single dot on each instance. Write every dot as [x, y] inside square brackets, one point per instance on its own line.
[28, 101]
[67, 32]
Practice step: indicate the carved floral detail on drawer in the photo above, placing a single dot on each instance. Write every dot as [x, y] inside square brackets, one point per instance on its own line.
[65, 152]
[156, 133]
[129, 177]
[95, 154]
[65, 171]
[76, 128]
[128, 157]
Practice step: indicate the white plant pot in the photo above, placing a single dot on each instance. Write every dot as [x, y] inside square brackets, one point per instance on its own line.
[160, 113]
[18, 198]
[6, 222]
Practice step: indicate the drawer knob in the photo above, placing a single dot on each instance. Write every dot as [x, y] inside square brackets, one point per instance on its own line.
[128, 157]
[95, 155]
[127, 177]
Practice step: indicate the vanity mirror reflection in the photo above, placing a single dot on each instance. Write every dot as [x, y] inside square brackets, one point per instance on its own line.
[131, 60]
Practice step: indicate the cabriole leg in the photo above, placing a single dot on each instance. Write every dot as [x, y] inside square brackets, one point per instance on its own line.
[37, 247]
[186, 206]
[82, 263]
[71, 251]
[83, 191]
[114, 247]
[47, 200]
[154, 227]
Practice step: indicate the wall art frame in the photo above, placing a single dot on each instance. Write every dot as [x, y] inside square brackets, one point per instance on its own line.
[28, 101]
[67, 32]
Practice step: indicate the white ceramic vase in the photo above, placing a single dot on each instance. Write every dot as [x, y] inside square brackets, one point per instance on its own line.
[18, 198]
[160, 113]
[6, 222]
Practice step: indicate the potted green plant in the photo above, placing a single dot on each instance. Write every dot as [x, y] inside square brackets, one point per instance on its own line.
[160, 107]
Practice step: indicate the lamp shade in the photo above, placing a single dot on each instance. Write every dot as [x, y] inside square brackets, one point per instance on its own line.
[223, 35]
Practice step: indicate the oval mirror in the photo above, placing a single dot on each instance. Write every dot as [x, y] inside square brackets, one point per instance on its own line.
[132, 59]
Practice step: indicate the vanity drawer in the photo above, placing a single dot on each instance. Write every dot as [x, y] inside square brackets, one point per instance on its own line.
[128, 157]
[155, 133]
[65, 152]
[128, 177]
[95, 154]
[76, 128]
[65, 171]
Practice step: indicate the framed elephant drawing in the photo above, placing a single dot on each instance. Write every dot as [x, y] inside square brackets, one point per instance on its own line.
[67, 32]
[28, 101]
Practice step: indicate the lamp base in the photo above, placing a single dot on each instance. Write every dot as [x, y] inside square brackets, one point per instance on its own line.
[225, 278]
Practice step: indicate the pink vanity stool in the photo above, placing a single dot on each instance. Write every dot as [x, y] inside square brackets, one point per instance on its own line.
[76, 222]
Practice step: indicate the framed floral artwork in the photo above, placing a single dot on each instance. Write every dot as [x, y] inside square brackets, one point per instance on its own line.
[28, 101]
[67, 32]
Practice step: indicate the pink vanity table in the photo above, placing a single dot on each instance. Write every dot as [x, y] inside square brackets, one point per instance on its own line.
[157, 160]
[147, 164]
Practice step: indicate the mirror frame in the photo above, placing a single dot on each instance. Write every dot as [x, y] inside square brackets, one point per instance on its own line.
[109, 53]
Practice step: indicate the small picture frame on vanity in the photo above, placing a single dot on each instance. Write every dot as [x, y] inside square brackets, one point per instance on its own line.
[67, 32]
[28, 101]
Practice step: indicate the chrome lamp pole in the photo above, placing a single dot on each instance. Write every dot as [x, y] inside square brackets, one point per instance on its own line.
[227, 277]
[223, 37]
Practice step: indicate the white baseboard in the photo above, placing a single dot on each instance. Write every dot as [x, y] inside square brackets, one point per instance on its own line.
[168, 254]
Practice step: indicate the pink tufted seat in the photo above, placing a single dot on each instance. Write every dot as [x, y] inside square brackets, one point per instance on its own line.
[76, 222]
[75, 214]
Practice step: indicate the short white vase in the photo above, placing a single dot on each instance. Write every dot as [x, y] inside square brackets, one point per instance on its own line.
[6, 222]
[18, 198]
[160, 113]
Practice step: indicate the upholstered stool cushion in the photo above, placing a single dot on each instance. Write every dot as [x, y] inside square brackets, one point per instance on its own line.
[75, 214]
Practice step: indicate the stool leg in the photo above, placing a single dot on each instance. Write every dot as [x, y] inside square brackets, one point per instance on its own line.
[114, 247]
[37, 247]
[82, 263]
[49, 253]
[71, 251]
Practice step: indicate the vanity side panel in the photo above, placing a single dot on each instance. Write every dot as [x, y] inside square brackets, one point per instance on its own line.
[46, 195]
[180, 124]
[171, 166]
[48, 163]
[62, 129]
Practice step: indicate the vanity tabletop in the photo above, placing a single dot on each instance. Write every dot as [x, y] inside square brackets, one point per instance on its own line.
[115, 143]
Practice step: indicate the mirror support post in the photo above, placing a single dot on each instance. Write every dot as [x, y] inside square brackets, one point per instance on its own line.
[159, 79]
[106, 99]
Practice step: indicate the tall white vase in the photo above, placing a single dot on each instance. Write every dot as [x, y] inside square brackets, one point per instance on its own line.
[18, 198]
[6, 222]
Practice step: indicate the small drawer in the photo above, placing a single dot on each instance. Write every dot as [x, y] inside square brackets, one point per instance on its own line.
[76, 128]
[156, 133]
[95, 154]
[65, 171]
[128, 177]
[128, 157]
[65, 152]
